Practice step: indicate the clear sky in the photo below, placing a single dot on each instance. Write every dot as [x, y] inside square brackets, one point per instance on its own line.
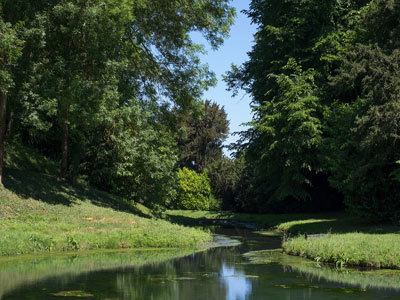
[234, 51]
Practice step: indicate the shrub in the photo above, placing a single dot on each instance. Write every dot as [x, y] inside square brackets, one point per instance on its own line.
[194, 191]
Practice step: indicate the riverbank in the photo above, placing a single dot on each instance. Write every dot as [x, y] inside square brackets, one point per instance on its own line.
[39, 214]
[351, 249]
[335, 238]
[284, 224]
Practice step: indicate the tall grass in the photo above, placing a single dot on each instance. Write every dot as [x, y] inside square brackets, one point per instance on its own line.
[351, 249]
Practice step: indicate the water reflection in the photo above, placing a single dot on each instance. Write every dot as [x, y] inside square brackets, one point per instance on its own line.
[237, 285]
[314, 272]
[220, 274]
[63, 272]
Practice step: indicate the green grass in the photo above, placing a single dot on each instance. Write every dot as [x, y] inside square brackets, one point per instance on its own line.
[21, 157]
[352, 249]
[289, 224]
[350, 241]
[40, 214]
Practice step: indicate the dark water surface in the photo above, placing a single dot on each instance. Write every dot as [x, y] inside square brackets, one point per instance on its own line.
[219, 273]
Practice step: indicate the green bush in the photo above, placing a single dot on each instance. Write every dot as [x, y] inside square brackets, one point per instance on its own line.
[194, 191]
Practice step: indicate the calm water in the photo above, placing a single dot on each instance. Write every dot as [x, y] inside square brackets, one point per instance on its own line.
[219, 273]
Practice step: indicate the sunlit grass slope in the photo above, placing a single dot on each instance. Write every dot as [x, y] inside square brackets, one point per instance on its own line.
[39, 213]
[353, 249]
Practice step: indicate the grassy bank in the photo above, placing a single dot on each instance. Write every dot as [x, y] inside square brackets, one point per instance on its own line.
[347, 241]
[40, 214]
[288, 224]
[351, 249]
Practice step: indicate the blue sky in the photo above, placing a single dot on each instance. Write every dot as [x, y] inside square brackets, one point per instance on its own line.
[234, 51]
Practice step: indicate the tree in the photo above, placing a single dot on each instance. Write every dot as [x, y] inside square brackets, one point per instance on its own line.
[225, 174]
[10, 51]
[140, 49]
[201, 134]
[297, 46]
[308, 31]
[365, 132]
[130, 155]
[286, 146]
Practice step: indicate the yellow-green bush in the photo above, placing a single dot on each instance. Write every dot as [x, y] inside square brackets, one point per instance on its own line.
[194, 191]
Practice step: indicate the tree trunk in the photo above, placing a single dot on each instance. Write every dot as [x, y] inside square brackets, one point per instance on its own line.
[76, 155]
[64, 149]
[9, 125]
[3, 125]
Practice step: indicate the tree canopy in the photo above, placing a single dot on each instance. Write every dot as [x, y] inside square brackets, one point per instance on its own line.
[89, 83]
[324, 81]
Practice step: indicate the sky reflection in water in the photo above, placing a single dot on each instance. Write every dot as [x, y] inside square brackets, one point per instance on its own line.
[237, 285]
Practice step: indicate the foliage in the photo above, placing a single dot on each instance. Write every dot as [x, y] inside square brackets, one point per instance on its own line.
[325, 98]
[201, 134]
[224, 175]
[97, 78]
[10, 51]
[290, 29]
[288, 136]
[396, 173]
[132, 157]
[194, 191]
[286, 76]
[363, 163]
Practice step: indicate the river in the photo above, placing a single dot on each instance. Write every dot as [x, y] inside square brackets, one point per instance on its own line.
[231, 271]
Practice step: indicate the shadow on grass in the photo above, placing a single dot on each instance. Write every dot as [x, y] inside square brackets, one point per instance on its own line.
[45, 188]
[293, 224]
[345, 225]
[49, 189]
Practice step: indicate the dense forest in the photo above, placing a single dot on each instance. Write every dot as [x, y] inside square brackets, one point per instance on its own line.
[112, 90]
[324, 76]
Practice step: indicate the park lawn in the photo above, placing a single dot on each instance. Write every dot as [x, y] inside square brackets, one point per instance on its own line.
[39, 214]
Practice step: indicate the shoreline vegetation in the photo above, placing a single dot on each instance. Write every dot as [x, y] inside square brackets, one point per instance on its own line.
[334, 238]
[378, 251]
[40, 214]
